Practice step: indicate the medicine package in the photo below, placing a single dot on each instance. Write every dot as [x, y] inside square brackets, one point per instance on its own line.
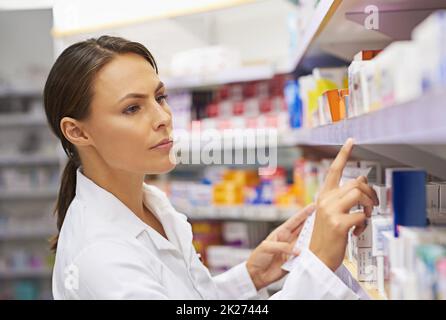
[304, 238]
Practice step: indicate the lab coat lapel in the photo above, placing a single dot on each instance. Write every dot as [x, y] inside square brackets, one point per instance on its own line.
[175, 224]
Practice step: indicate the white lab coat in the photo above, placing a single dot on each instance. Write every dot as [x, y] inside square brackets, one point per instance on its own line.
[106, 252]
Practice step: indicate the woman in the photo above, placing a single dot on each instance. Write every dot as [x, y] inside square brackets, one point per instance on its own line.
[120, 238]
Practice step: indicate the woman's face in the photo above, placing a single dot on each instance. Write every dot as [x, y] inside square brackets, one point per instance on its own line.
[130, 117]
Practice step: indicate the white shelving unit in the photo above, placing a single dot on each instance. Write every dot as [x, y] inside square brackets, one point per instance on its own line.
[29, 160]
[18, 203]
[420, 121]
[266, 213]
[20, 235]
[41, 273]
[21, 121]
[37, 194]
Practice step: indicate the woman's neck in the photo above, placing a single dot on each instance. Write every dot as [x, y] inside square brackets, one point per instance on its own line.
[124, 185]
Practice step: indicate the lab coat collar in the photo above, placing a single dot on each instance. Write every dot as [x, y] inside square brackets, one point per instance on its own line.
[112, 209]
[107, 206]
[177, 229]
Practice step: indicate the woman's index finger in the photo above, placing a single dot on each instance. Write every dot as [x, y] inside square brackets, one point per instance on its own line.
[335, 172]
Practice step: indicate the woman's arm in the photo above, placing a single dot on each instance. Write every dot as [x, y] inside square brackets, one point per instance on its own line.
[313, 276]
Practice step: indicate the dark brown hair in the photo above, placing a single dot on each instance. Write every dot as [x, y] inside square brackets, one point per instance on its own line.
[68, 93]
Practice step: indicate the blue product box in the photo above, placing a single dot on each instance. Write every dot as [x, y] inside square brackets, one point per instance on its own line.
[409, 199]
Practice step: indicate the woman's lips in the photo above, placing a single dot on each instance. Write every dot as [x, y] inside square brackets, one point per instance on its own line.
[165, 144]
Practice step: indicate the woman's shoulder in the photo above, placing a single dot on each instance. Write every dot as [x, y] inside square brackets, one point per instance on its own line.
[85, 231]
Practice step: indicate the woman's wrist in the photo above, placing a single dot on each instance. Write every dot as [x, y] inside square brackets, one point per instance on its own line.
[256, 278]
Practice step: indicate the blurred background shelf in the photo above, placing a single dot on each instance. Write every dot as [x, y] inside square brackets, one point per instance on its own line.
[9, 121]
[37, 194]
[28, 273]
[26, 235]
[264, 213]
[29, 160]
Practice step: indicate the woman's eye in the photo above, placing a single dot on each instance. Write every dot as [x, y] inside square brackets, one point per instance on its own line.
[161, 98]
[131, 109]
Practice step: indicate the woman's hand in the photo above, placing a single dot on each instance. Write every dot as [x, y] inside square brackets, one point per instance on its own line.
[265, 262]
[333, 221]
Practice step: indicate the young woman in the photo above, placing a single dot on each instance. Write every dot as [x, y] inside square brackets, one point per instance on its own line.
[120, 238]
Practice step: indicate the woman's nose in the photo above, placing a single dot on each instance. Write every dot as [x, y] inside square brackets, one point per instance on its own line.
[163, 118]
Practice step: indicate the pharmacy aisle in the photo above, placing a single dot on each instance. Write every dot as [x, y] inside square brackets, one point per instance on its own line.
[263, 94]
[29, 164]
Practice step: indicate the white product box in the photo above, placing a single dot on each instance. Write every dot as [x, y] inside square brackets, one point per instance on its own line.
[201, 196]
[430, 39]
[442, 198]
[365, 239]
[349, 250]
[224, 257]
[399, 73]
[375, 174]
[433, 197]
[395, 250]
[306, 84]
[381, 192]
[379, 226]
[366, 265]
[352, 247]
[236, 233]
[333, 75]
[380, 276]
[359, 93]
[371, 83]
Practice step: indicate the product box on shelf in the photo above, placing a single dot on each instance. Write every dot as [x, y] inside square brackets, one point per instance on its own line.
[430, 40]
[381, 192]
[409, 199]
[366, 265]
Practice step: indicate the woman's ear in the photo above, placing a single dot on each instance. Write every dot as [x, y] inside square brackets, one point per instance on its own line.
[74, 132]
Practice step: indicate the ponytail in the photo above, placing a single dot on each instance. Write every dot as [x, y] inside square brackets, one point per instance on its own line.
[67, 192]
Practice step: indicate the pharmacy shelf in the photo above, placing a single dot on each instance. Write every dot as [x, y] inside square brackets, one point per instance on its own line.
[321, 16]
[420, 121]
[368, 287]
[11, 121]
[25, 273]
[323, 13]
[230, 140]
[28, 160]
[265, 213]
[242, 74]
[326, 33]
[26, 235]
[412, 133]
[20, 94]
[37, 194]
